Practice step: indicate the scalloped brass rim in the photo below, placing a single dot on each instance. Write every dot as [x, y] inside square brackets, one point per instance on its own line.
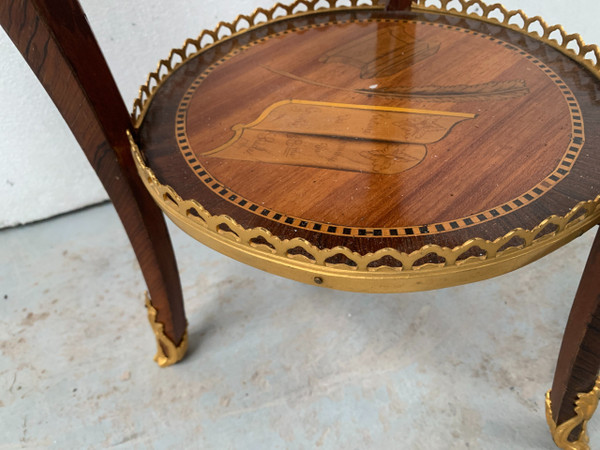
[209, 38]
[511, 19]
[259, 248]
[298, 259]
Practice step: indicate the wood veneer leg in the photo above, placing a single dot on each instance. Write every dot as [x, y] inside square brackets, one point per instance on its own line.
[575, 390]
[56, 41]
[398, 5]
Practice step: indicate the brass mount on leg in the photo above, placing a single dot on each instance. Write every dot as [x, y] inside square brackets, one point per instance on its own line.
[167, 352]
[585, 405]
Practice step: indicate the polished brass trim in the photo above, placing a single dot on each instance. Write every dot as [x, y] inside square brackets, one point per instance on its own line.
[203, 173]
[244, 23]
[167, 353]
[225, 235]
[228, 237]
[225, 31]
[553, 35]
[585, 405]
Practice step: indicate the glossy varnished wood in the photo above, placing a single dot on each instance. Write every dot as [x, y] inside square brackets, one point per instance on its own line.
[55, 39]
[579, 358]
[398, 5]
[509, 115]
[358, 138]
[514, 146]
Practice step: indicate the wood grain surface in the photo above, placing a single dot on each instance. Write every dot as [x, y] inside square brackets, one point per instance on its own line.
[57, 43]
[398, 5]
[368, 130]
[579, 358]
[374, 130]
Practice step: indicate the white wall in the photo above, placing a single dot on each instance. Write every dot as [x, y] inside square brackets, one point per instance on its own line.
[42, 170]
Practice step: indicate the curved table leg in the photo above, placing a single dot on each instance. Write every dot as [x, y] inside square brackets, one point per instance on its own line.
[55, 39]
[575, 390]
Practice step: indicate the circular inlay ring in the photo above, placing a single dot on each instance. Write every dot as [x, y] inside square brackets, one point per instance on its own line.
[230, 194]
[359, 263]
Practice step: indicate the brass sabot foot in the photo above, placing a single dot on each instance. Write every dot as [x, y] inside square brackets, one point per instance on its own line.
[167, 352]
[584, 409]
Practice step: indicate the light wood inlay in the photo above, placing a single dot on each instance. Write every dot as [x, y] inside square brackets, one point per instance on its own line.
[392, 138]
[242, 128]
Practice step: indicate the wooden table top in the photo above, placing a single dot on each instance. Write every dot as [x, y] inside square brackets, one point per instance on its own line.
[372, 130]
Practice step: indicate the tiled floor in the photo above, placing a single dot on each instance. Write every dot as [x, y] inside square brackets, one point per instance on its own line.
[273, 364]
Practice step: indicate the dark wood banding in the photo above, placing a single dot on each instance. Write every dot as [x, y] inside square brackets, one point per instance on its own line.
[523, 148]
